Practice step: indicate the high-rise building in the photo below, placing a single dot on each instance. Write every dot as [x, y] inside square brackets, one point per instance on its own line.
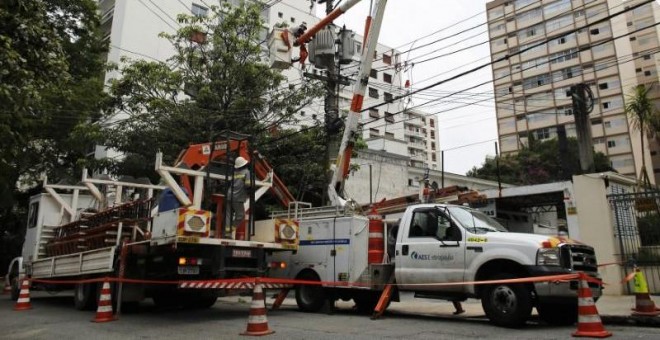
[531, 85]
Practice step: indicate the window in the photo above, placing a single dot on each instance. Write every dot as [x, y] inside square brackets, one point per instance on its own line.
[358, 47]
[373, 73]
[374, 133]
[293, 19]
[198, 10]
[432, 124]
[373, 93]
[553, 25]
[387, 78]
[387, 59]
[596, 121]
[432, 134]
[647, 57]
[432, 145]
[432, 223]
[389, 135]
[33, 215]
[388, 97]
[647, 73]
[280, 15]
[389, 117]
[373, 113]
[564, 56]
[433, 158]
[611, 144]
[558, 7]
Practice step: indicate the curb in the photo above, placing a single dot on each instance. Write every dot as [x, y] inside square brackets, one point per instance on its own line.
[643, 321]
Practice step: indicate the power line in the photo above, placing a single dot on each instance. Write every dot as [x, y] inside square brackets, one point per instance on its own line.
[506, 57]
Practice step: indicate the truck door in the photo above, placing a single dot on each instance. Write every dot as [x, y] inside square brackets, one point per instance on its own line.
[433, 251]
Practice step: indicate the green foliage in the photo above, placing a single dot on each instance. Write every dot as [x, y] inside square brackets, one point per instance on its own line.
[227, 86]
[539, 163]
[52, 59]
[649, 229]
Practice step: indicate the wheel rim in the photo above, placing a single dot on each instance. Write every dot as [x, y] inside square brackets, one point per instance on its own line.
[504, 299]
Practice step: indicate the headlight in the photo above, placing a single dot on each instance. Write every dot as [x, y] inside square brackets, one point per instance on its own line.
[548, 257]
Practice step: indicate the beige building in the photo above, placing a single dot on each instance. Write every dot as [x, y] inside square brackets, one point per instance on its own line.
[531, 87]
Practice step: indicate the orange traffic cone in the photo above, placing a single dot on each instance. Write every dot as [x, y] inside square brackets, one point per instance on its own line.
[23, 302]
[104, 310]
[257, 321]
[589, 324]
[644, 306]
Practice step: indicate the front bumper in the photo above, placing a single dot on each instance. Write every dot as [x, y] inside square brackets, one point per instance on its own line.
[556, 291]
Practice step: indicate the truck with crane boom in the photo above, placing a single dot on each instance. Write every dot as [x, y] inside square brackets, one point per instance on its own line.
[434, 250]
[116, 227]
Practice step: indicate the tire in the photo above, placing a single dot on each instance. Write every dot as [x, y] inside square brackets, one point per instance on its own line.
[202, 300]
[507, 305]
[558, 314]
[15, 287]
[366, 302]
[310, 298]
[84, 296]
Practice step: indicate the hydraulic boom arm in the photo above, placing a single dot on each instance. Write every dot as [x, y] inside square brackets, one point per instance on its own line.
[340, 171]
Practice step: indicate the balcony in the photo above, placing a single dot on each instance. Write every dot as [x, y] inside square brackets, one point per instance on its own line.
[414, 121]
[414, 134]
[416, 145]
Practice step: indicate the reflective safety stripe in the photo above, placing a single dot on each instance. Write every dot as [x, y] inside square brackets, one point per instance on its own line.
[23, 300]
[588, 301]
[376, 235]
[585, 319]
[104, 309]
[256, 319]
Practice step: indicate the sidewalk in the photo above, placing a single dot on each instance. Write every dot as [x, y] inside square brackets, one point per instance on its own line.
[613, 310]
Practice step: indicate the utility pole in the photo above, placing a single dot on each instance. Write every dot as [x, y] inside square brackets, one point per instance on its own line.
[327, 41]
[582, 125]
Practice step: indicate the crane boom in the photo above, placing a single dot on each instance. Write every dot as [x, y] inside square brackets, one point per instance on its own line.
[340, 171]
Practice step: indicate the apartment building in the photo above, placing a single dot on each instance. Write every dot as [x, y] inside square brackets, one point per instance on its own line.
[133, 26]
[531, 86]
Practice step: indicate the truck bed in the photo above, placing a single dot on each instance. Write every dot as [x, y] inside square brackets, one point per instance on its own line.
[89, 262]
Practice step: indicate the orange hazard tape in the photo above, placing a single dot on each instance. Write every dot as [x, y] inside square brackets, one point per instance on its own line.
[611, 263]
[254, 280]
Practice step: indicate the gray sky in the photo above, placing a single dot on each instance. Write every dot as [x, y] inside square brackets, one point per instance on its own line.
[466, 133]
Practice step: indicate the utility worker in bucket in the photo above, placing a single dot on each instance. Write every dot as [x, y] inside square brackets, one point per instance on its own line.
[238, 193]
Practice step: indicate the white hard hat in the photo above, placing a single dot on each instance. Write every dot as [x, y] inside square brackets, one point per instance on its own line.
[240, 162]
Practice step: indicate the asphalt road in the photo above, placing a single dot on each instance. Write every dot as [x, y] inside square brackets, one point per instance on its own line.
[53, 317]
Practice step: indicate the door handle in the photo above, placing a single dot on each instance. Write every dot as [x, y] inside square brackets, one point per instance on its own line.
[404, 249]
[476, 249]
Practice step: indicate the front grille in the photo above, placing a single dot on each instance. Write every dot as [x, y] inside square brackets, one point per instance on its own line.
[579, 258]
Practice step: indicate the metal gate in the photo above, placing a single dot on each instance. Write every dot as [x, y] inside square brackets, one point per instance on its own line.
[637, 229]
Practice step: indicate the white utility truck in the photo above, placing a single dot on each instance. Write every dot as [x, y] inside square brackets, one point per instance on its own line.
[437, 243]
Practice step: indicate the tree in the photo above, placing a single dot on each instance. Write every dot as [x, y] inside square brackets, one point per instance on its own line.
[52, 58]
[644, 118]
[216, 80]
[538, 163]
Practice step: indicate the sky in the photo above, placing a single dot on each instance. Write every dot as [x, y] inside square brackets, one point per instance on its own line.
[467, 133]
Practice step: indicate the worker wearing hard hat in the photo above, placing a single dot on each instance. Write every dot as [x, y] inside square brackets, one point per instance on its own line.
[238, 193]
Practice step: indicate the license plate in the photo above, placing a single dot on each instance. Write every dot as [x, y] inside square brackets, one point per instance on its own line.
[188, 239]
[241, 253]
[188, 270]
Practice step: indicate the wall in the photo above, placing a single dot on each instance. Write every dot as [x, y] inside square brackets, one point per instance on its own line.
[597, 227]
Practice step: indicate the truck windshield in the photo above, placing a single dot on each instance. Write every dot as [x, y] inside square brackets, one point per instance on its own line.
[474, 220]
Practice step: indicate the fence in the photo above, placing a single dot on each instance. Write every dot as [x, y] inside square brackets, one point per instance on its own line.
[637, 230]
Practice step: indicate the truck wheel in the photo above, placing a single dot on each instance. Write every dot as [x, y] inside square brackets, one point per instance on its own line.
[200, 300]
[310, 298]
[558, 314]
[84, 296]
[506, 304]
[15, 287]
[366, 302]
